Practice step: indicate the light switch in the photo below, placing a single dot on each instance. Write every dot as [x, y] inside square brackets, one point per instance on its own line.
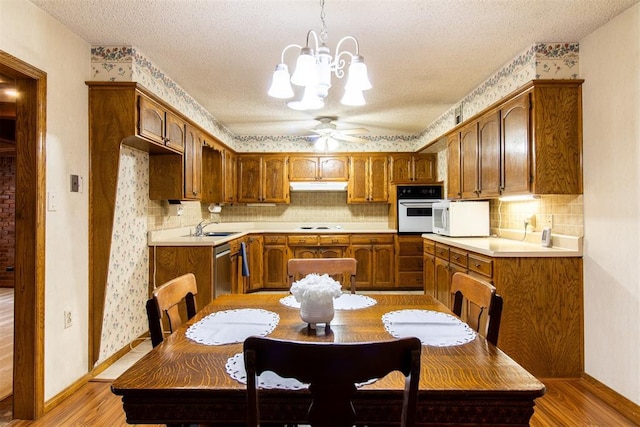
[75, 184]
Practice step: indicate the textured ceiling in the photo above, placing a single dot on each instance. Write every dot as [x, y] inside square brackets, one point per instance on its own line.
[423, 55]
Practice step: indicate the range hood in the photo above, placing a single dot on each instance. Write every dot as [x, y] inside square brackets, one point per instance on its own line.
[318, 186]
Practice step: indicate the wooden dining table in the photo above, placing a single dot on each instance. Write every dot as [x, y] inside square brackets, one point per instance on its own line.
[182, 381]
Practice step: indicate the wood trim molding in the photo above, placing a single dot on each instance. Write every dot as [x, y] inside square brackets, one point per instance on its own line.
[612, 398]
[28, 393]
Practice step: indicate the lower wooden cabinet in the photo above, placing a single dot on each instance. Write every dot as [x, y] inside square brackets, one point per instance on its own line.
[410, 265]
[542, 324]
[255, 252]
[375, 255]
[274, 261]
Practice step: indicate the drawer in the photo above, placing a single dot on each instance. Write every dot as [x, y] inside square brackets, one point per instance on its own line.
[458, 257]
[481, 265]
[442, 251]
[410, 280]
[334, 240]
[410, 245]
[270, 239]
[410, 263]
[429, 247]
[303, 240]
[374, 239]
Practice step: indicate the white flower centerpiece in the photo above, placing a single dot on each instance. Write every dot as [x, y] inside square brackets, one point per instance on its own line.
[315, 293]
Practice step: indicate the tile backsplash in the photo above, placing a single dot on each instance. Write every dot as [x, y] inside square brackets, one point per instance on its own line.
[566, 211]
[304, 207]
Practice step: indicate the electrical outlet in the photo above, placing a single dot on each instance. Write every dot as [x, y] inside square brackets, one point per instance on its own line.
[67, 319]
[545, 220]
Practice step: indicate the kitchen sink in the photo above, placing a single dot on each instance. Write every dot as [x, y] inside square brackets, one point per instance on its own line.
[219, 233]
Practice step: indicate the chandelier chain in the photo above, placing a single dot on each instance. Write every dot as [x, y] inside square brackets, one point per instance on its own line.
[323, 31]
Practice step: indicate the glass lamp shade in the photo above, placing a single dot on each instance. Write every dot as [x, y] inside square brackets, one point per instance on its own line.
[280, 85]
[353, 97]
[305, 73]
[310, 100]
[358, 78]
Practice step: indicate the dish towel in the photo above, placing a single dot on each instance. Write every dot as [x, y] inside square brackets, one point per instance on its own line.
[243, 256]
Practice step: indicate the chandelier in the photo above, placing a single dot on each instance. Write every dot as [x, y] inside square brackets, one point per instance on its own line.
[314, 68]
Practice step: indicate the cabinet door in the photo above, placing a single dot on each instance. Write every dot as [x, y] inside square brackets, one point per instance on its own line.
[255, 245]
[249, 179]
[379, 179]
[305, 252]
[454, 190]
[469, 161]
[424, 168]
[489, 154]
[401, 168]
[330, 252]
[192, 163]
[357, 187]
[364, 273]
[275, 260]
[383, 266]
[333, 168]
[442, 281]
[151, 123]
[516, 173]
[429, 265]
[175, 132]
[303, 168]
[275, 182]
[230, 177]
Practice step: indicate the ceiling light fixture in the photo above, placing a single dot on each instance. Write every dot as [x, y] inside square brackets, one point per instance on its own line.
[313, 72]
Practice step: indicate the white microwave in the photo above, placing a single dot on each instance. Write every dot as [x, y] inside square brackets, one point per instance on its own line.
[461, 219]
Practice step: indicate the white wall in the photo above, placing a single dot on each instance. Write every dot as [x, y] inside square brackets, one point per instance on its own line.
[610, 65]
[36, 38]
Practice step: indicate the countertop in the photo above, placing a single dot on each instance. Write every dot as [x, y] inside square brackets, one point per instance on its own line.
[563, 246]
[184, 236]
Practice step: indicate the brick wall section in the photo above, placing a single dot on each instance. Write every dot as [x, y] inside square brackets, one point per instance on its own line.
[7, 220]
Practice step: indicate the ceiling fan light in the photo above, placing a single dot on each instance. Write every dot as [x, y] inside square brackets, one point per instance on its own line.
[310, 100]
[305, 73]
[358, 78]
[280, 85]
[353, 97]
[332, 144]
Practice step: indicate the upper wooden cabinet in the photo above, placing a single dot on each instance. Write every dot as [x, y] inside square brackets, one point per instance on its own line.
[318, 168]
[230, 177]
[369, 179]
[262, 179]
[194, 142]
[160, 125]
[530, 143]
[409, 168]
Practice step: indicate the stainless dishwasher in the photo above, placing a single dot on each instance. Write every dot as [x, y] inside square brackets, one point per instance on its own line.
[222, 270]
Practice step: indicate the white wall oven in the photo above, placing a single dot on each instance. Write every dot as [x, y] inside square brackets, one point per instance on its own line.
[415, 207]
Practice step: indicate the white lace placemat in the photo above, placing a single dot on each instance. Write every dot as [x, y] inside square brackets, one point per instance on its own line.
[431, 327]
[343, 302]
[235, 369]
[232, 326]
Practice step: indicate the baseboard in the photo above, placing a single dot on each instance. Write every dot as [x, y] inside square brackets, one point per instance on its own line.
[75, 386]
[623, 405]
[58, 398]
[117, 355]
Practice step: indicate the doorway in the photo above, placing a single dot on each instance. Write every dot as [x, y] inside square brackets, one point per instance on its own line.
[30, 133]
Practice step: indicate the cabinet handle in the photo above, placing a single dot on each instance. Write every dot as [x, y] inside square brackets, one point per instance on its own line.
[477, 265]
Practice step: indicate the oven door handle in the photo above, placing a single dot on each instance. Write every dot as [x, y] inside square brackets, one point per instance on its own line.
[416, 204]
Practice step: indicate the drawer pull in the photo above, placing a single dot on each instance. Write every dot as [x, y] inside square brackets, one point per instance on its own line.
[478, 265]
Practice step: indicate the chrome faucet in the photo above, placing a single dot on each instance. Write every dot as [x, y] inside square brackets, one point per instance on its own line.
[200, 227]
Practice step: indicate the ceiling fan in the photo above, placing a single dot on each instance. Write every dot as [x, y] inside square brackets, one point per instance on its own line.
[328, 129]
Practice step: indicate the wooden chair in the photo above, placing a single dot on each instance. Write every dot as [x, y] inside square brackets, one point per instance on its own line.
[332, 370]
[482, 305]
[165, 300]
[300, 267]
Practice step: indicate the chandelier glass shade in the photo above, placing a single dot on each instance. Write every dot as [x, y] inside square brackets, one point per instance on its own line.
[314, 69]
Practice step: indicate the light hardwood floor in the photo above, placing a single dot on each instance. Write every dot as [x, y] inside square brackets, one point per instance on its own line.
[6, 342]
[567, 402]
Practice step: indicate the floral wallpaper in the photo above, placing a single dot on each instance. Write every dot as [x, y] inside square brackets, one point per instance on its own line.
[127, 281]
[540, 61]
